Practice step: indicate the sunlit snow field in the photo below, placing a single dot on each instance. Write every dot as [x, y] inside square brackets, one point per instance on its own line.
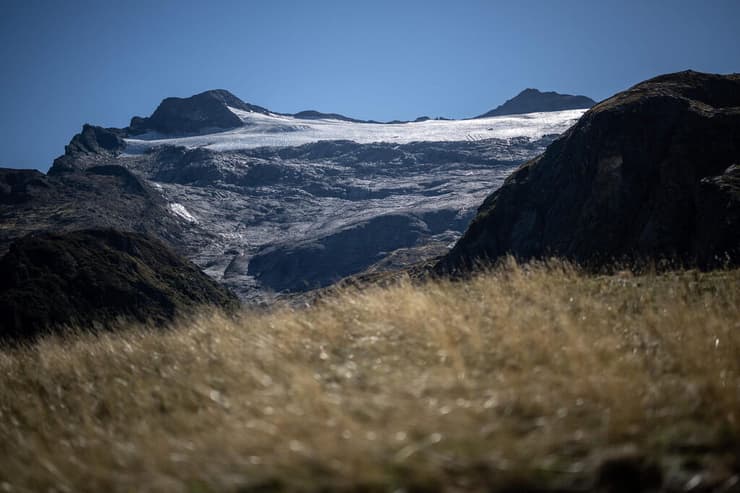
[273, 130]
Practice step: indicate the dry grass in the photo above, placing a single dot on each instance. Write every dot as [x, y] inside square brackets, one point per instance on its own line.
[524, 374]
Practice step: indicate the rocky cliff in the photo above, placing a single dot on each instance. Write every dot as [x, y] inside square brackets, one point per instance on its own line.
[204, 111]
[103, 195]
[649, 173]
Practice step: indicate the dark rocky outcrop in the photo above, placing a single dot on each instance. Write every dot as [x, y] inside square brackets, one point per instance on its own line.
[90, 147]
[88, 279]
[321, 261]
[650, 173]
[532, 101]
[207, 110]
[96, 140]
[21, 185]
[103, 196]
[717, 238]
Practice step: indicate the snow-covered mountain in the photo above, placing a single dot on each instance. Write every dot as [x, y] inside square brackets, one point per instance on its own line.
[268, 202]
[274, 130]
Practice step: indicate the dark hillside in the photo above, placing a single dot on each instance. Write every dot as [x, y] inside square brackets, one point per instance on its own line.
[650, 173]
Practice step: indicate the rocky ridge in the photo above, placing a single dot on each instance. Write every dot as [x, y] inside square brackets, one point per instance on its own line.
[101, 195]
[532, 100]
[90, 279]
[650, 173]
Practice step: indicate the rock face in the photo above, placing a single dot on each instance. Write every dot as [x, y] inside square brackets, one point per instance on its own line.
[21, 185]
[88, 278]
[307, 206]
[318, 262]
[89, 147]
[104, 196]
[649, 173]
[207, 110]
[533, 101]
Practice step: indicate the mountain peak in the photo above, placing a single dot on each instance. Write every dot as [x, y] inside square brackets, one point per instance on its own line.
[205, 110]
[225, 97]
[218, 93]
[533, 100]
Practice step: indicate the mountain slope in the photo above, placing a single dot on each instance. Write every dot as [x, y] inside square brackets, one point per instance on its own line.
[532, 100]
[649, 173]
[101, 195]
[238, 188]
[89, 278]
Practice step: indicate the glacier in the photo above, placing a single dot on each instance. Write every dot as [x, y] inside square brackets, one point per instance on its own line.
[274, 130]
[281, 204]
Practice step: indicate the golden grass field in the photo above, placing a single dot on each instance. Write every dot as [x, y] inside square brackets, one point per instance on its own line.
[524, 377]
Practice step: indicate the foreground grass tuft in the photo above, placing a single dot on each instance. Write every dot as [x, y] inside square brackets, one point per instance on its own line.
[524, 377]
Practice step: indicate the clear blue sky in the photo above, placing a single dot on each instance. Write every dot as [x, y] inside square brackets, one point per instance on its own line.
[64, 63]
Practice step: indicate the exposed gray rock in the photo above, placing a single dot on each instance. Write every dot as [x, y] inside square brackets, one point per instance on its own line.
[207, 110]
[246, 201]
[108, 196]
[318, 262]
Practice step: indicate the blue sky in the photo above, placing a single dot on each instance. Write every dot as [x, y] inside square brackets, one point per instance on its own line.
[64, 63]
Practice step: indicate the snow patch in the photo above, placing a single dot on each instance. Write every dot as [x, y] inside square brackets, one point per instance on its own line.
[180, 211]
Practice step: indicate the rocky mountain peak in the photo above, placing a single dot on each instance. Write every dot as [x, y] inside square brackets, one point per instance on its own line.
[204, 111]
[533, 100]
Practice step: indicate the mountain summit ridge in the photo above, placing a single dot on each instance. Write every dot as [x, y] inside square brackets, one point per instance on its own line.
[208, 109]
[532, 100]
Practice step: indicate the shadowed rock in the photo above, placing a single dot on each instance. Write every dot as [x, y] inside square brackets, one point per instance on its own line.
[90, 278]
[101, 196]
[92, 146]
[206, 110]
